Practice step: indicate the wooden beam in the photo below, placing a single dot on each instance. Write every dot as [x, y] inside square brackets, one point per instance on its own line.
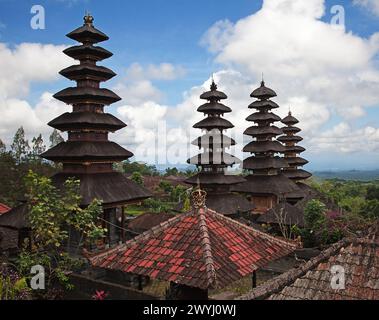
[123, 238]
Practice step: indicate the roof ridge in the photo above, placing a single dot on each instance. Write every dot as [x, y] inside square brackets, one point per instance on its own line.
[277, 284]
[290, 243]
[207, 249]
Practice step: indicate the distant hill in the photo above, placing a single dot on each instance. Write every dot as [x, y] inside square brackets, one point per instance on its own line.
[362, 175]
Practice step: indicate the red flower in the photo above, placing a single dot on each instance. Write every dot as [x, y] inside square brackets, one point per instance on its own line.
[100, 295]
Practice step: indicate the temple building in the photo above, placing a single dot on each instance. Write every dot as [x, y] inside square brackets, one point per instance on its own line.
[265, 185]
[292, 150]
[195, 252]
[88, 155]
[214, 160]
[347, 270]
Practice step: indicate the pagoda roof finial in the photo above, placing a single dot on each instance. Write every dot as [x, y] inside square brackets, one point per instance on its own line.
[263, 80]
[88, 19]
[213, 85]
[198, 197]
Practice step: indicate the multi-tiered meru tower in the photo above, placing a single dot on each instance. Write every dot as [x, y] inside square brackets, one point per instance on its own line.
[266, 185]
[214, 160]
[88, 155]
[292, 150]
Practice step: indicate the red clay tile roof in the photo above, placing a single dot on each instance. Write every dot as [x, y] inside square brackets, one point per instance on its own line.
[3, 208]
[312, 280]
[202, 250]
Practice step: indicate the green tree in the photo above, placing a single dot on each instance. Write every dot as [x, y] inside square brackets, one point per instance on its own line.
[38, 147]
[137, 178]
[372, 192]
[20, 146]
[314, 213]
[3, 147]
[53, 212]
[178, 193]
[171, 172]
[55, 138]
[165, 186]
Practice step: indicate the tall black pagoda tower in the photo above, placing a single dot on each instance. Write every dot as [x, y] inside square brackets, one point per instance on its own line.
[88, 155]
[292, 150]
[265, 185]
[214, 160]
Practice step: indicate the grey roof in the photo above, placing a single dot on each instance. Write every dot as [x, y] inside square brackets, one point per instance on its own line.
[312, 280]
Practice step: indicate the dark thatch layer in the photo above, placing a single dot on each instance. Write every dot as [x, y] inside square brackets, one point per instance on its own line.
[287, 130]
[264, 146]
[263, 92]
[16, 218]
[265, 104]
[290, 120]
[83, 72]
[256, 163]
[75, 95]
[296, 161]
[87, 150]
[213, 95]
[286, 138]
[256, 131]
[210, 178]
[214, 107]
[283, 213]
[297, 174]
[88, 51]
[222, 159]
[258, 116]
[112, 188]
[210, 123]
[266, 184]
[217, 139]
[87, 120]
[87, 33]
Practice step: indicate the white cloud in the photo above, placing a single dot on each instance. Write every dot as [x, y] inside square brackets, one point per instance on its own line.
[137, 87]
[27, 63]
[21, 66]
[17, 112]
[372, 5]
[343, 138]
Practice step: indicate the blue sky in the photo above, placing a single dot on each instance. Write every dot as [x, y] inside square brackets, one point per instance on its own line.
[151, 32]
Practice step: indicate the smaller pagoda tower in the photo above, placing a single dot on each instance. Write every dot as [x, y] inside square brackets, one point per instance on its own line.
[214, 160]
[292, 150]
[265, 185]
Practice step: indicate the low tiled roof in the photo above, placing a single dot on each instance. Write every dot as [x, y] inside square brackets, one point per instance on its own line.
[312, 281]
[148, 220]
[202, 250]
[8, 238]
[4, 208]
